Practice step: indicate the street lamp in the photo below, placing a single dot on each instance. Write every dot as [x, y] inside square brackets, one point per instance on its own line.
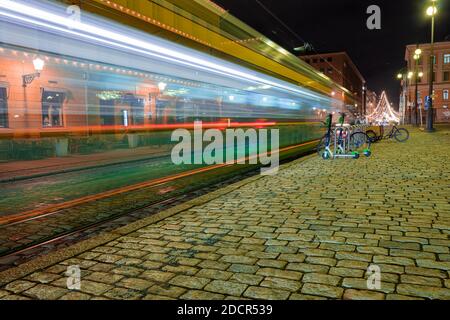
[38, 67]
[406, 112]
[431, 11]
[417, 54]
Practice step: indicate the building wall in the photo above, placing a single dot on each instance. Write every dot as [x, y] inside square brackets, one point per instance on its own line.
[340, 68]
[440, 104]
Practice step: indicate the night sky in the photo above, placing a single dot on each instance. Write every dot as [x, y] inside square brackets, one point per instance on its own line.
[340, 25]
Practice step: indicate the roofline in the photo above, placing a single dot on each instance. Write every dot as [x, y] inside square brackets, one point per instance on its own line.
[429, 44]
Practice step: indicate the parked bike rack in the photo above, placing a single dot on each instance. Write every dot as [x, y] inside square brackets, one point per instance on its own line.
[345, 138]
[341, 135]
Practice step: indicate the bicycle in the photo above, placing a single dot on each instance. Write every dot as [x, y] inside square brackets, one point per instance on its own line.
[399, 134]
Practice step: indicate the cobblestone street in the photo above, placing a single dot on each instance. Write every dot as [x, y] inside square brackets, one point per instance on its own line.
[310, 232]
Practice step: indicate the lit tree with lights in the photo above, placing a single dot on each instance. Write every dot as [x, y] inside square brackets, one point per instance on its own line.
[383, 112]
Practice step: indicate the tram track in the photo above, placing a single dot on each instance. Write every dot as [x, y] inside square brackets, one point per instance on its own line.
[25, 252]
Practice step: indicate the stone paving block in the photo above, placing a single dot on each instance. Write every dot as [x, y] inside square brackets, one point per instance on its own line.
[103, 277]
[279, 283]
[129, 262]
[238, 259]
[318, 253]
[321, 260]
[306, 267]
[399, 245]
[181, 269]
[261, 293]
[353, 256]
[353, 264]
[243, 268]
[101, 267]
[321, 278]
[135, 284]
[127, 271]
[351, 294]
[412, 254]
[286, 274]
[279, 264]
[373, 250]
[226, 287]
[390, 268]
[393, 260]
[346, 272]
[19, 286]
[214, 274]
[94, 288]
[426, 281]
[424, 291]
[425, 263]
[322, 290]
[189, 282]
[76, 296]
[45, 292]
[299, 257]
[157, 276]
[250, 279]
[166, 290]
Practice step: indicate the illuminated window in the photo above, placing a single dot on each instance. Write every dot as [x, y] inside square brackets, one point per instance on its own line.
[445, 94]
[446, 58]
[3, 108]
[52, 108]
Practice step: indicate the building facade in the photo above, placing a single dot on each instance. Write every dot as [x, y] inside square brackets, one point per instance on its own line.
[340, 68]
[441, 80]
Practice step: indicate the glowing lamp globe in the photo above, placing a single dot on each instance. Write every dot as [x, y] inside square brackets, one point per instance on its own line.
[38, 64]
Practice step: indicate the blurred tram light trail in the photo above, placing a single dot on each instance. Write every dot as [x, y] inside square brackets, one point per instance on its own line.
[38, 213]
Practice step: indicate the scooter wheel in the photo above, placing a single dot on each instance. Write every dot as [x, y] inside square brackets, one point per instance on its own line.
[326, 155]
[355, 155]
[367, 153]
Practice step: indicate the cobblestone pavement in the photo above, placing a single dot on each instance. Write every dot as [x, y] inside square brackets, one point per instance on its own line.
[310, 232]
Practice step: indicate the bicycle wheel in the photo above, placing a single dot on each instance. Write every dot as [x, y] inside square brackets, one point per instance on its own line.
[401, 135]
[360, 142]
[372, 136]
[322, 147]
